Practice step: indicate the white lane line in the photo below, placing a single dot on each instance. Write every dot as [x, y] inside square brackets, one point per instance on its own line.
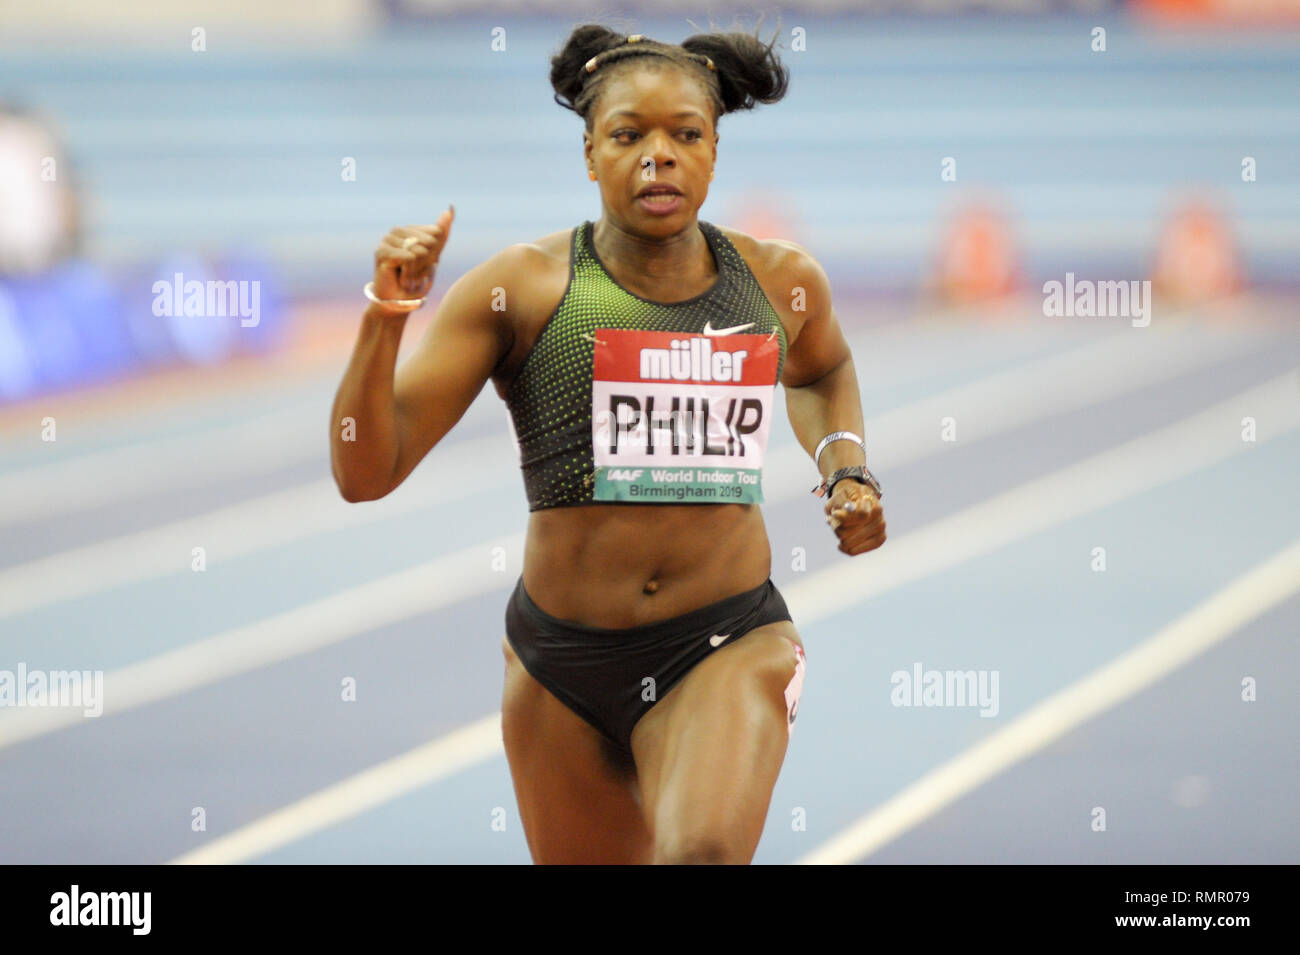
[342, 616]
[248, 527]
[391, 779]
[192, 459]
[965, 533]
[207, 457]
[989, 406]
[1213, 620]
[1137, 465]
[1055, 385]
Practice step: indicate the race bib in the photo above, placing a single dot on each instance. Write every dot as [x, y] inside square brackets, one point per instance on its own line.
[681, 418]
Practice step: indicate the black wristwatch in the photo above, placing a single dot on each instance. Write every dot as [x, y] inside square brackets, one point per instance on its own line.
[855, 471]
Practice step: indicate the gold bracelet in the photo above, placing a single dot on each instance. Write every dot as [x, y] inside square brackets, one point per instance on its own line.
[398, 304]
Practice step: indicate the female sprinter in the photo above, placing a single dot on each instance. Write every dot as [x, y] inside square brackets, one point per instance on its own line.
[652, 670]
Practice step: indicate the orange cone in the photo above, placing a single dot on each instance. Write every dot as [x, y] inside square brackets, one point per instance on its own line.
[977, 260]
[1196, 258]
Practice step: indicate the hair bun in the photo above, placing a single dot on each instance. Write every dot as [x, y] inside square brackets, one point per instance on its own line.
[749, 71]
[568, 67]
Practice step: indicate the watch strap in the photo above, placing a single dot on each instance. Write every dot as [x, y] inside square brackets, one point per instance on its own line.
[856, 472]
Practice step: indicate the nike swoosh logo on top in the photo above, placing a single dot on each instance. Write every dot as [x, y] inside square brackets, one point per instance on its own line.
[709, 330]
[717, 638]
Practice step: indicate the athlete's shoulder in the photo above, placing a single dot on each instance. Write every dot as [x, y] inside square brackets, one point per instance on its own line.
[779, 259]
[780, 263]
[524, 270]
[553, 244]
[541, 252]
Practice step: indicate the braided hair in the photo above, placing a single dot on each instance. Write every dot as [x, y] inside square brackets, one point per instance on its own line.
[737, 70]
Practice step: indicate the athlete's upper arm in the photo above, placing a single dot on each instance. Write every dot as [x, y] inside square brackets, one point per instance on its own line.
[455, 357]
[819, 346]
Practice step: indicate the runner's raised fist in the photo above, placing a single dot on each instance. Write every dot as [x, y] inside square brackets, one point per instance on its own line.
[407, 257]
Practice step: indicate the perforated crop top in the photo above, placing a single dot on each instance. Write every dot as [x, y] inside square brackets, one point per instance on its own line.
[625, 399]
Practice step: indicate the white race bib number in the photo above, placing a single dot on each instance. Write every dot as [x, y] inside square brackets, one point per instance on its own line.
[681, 418]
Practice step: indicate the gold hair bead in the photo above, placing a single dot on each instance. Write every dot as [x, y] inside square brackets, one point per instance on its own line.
[634, 38]
[708, 61]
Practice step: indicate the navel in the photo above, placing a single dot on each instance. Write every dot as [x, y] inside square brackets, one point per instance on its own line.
[651, 586]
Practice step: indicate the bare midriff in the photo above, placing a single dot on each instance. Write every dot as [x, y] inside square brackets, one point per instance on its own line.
[624, 565]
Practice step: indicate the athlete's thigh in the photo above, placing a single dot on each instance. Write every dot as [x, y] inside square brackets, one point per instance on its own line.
[709, 752]
[577, 805]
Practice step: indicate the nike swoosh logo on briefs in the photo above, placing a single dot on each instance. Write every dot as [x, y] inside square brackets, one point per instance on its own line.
[717, 638]
[710, 330]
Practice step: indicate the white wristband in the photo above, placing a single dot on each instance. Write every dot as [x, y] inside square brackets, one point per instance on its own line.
[398, 304]
[836, 436]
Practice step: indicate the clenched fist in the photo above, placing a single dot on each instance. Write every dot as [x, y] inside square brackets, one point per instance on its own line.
[407, 257]
[855, 515]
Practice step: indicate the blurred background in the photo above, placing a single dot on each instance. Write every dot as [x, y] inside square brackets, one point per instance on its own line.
[971, 148]
[167, 516]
